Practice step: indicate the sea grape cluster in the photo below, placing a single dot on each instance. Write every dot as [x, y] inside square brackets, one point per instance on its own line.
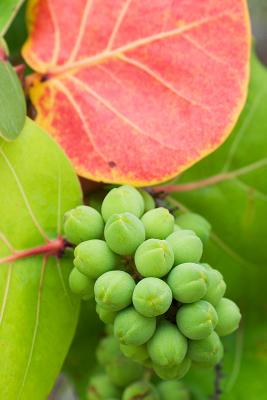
[144, 269]
[119, 377]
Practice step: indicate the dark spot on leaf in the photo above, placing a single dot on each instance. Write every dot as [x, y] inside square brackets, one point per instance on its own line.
[112, 164]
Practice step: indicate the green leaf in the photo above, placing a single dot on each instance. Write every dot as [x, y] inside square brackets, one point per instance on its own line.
[235, 202]
[12, 103]
[81, 359]
[8, 11]
[38, 315]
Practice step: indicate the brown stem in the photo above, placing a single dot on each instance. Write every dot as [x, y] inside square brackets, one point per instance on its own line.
[217, 383]
[52, 248]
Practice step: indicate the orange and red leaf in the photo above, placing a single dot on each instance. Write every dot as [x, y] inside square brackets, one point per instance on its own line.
[137, 91]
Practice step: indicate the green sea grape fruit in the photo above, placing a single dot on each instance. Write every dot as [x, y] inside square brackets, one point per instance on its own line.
[154, 258]
[208, 351]
[149, 202]
[216, 286]
[122, 199]
[93, 258]
[186, 246]
[105, 316]
[176, 228]
[173, 390]
[124, 233]
[136, 353]
[158, 223]
[168, 346]
[130, 327]
[83, 223]
[107, 349]
[152, 297]
[140, 390]
[122, 371]
[101, 388]
[114, 290]
[188, 282]
[177, 371]
[229, 317]
[81, 284]
[196, 223]
[197, 320]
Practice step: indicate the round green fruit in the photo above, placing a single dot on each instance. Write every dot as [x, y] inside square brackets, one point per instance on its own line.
[154, 258]
[81, 284]
[177, 371]
[186, 246]
[158, 223]
[140, 390]
[188, 282]
[149, 202]
[136, 353]
[93, 258]
[122, 371]
[152, 297]
[122, 199]
[173, 390]
[208, 351]
[107, 349]
[114, 290]
[229, 317]
[106, 316]
[101, 388]
[168, 346]
[196, 223]
[124, 233]
[130, 327]
[197, 320]
[216, 286]
[83, 223]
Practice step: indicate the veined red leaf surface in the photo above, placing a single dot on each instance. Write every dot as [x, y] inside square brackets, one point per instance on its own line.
[136, 91]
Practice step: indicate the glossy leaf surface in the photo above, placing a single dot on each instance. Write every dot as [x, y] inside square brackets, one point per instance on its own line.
[38, 315]
[12, 103]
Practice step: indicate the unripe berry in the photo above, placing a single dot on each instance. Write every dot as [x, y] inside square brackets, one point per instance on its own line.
[229, 317]
[140, 390]
[149, 202]
[130, 327]
[122, 199]
[158, 223]
[168, 346]
[83, 223]
[208, 351]
[93, 258]
[100, 388]
[197, 320]
[173, 390]
[177, 371]
[124, 233]
[154, 258]
[107, 349]
[81, 284]
[216, 286]
[196, 223]
[152, 297]
[114, 290]
[122, 371]
[106, 316]
[136, 353]
[188, 282]
[186, 246]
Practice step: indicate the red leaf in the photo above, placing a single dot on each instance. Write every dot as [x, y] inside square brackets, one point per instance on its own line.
[136, 91]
